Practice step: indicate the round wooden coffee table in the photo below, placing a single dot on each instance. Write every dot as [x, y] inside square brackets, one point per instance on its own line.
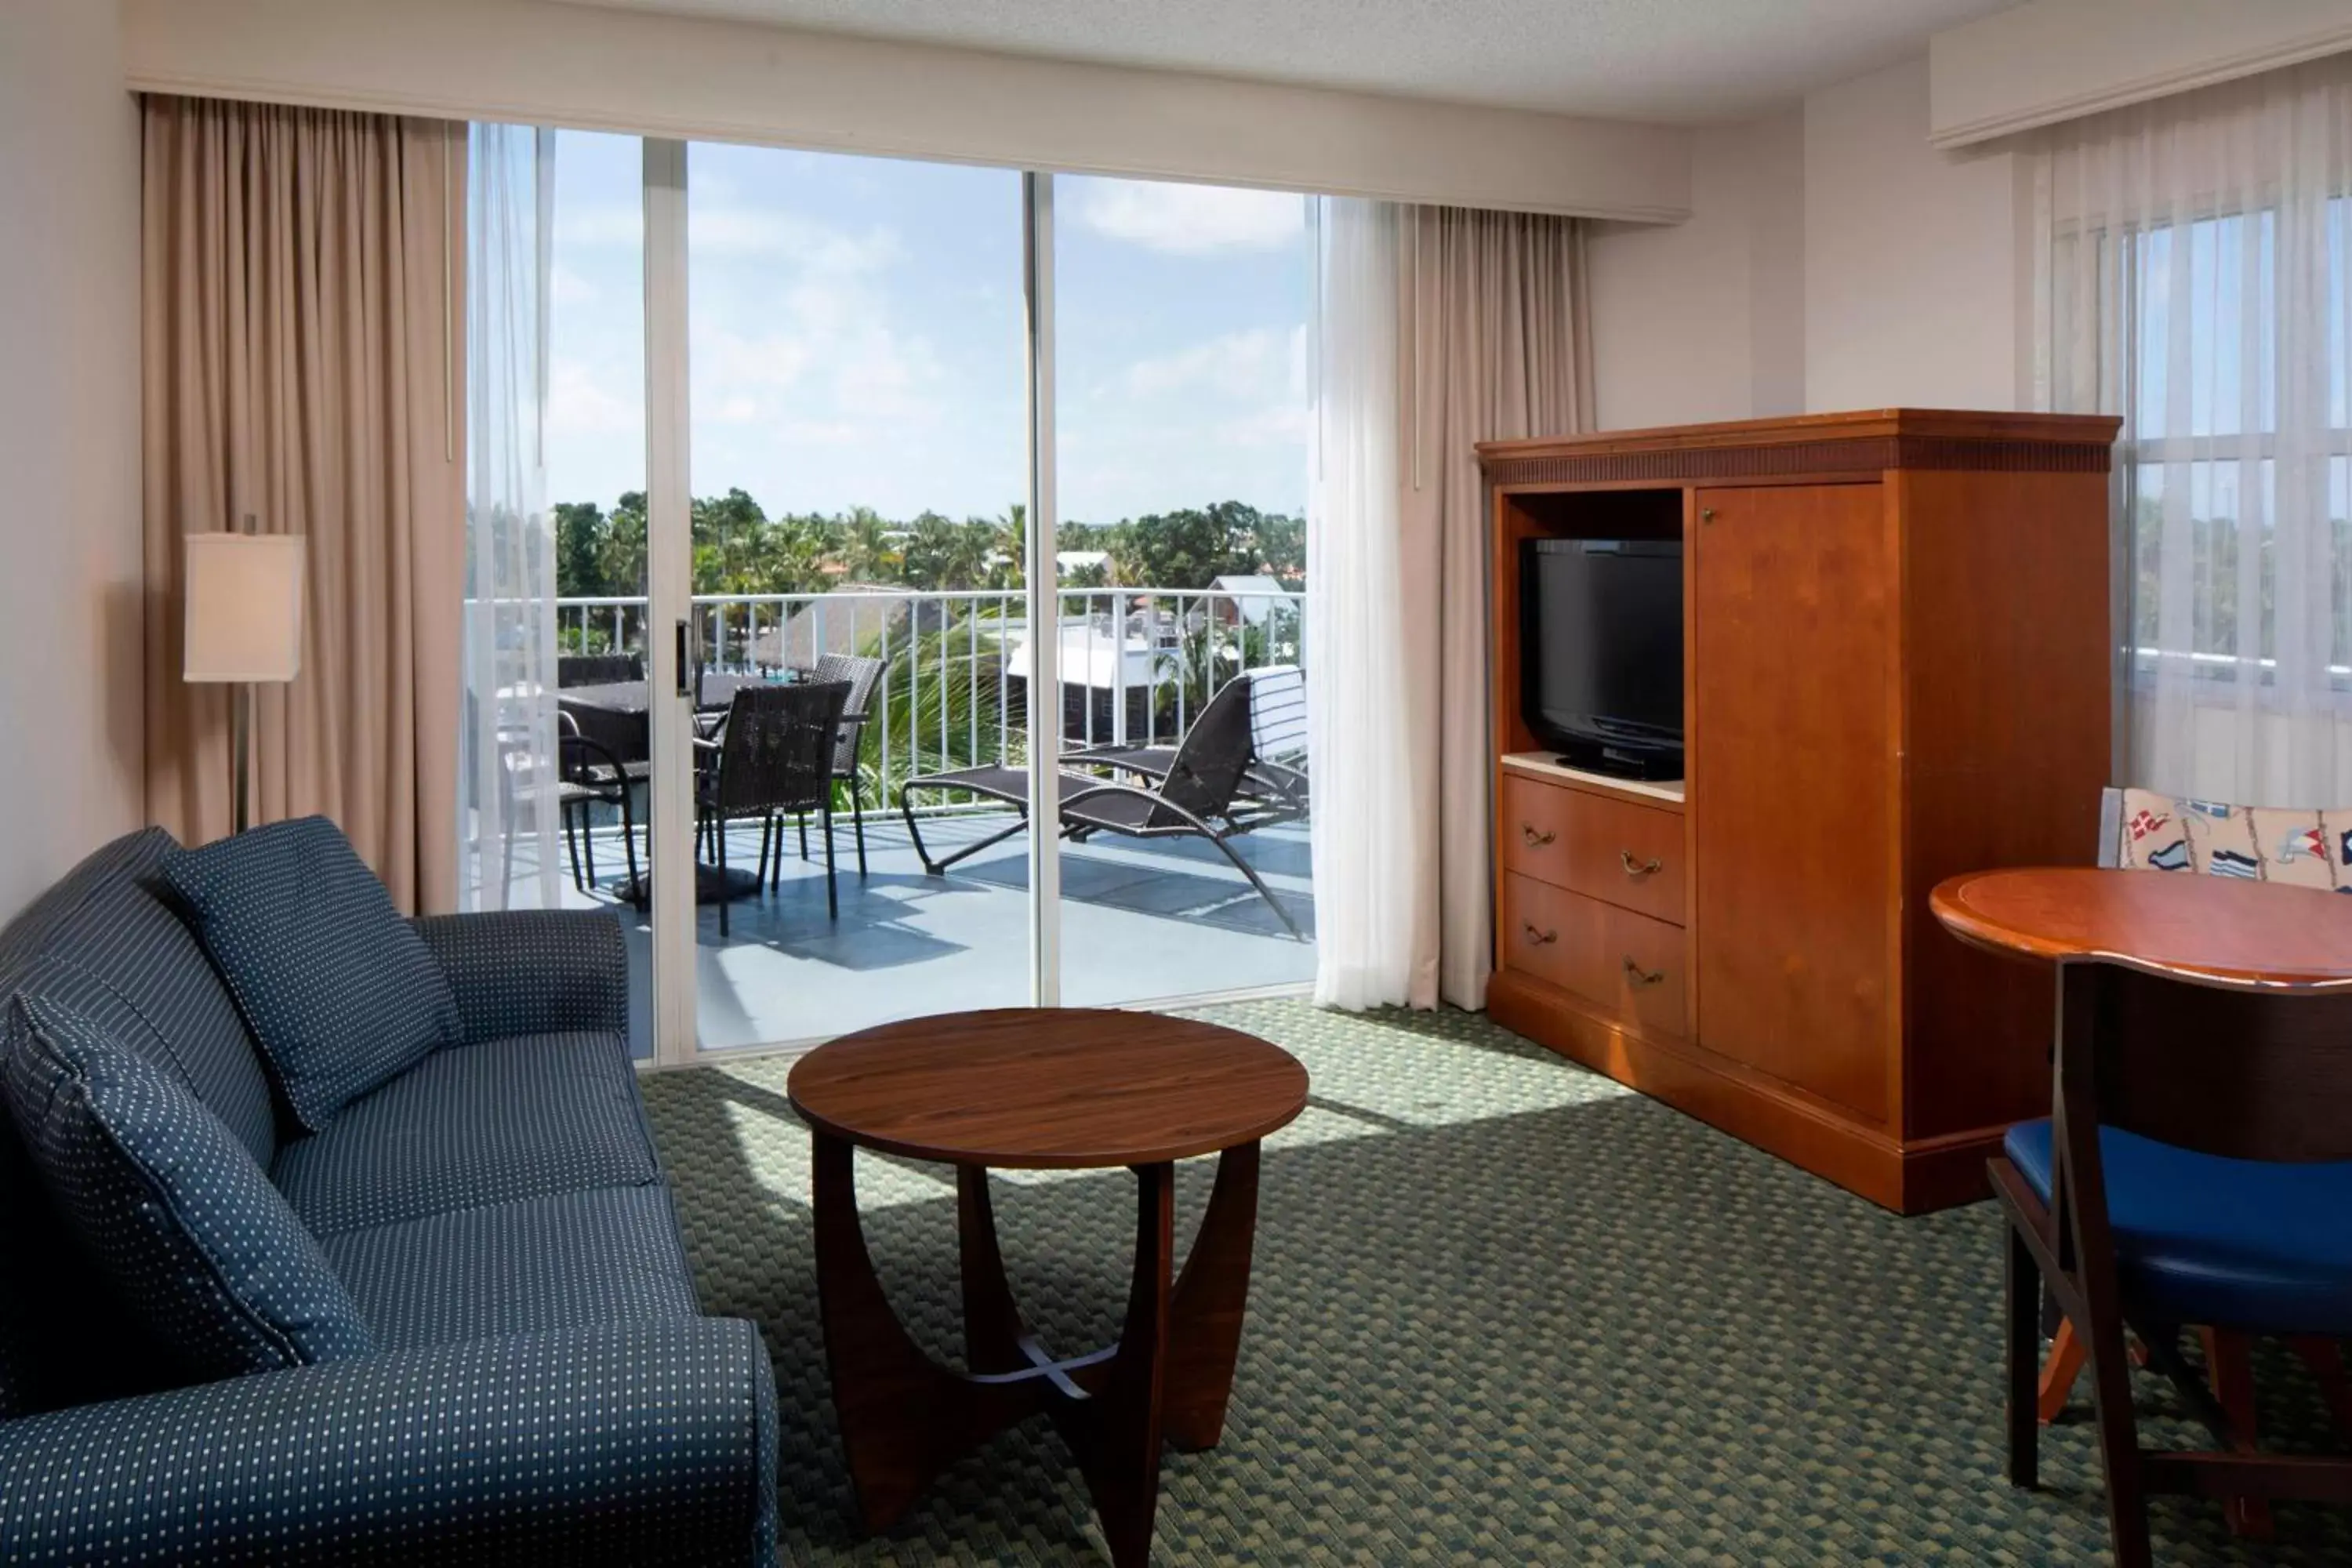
[1029, 1088]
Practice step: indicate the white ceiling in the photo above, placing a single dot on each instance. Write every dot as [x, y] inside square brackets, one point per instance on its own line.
[1672, 60]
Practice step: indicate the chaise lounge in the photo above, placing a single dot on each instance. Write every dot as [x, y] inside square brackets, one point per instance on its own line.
[542, 1385]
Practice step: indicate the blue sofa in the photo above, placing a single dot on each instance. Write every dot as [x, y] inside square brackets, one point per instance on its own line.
[544, 1386]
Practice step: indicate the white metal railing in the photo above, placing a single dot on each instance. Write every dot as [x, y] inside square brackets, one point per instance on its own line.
[1136, 663]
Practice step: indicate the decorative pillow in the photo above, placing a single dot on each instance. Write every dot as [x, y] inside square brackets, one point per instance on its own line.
[339, 990]
[2265, 844]
[172, 1208]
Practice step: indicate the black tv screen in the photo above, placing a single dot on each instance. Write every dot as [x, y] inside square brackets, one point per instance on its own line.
[1601, 651]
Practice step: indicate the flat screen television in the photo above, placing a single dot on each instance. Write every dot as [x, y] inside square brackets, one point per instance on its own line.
[1600, 653]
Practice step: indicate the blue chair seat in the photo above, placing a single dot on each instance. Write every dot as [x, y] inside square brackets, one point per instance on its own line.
[2244, 1244]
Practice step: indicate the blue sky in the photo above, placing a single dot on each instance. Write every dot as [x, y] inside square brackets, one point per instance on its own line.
[855, 335]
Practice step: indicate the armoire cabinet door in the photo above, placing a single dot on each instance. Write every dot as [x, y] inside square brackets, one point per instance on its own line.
[1792, 781]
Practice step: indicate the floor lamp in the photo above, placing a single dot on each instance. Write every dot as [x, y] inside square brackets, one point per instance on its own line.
[243, 609]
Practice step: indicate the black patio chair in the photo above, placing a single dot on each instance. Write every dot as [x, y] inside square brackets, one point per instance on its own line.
[775, 756]
[587, 775]
[864, 674]
[598, 668]
[1203, 778]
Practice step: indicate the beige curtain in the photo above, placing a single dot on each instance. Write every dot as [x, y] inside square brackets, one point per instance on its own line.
[304, 364]
[1494, 343]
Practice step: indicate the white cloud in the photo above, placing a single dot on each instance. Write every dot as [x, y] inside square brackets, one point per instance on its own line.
[579, 403]
[1285, 424]
[569, 288]
[601, 226]
[1247, 363]
[773, 235]
[1193, 220]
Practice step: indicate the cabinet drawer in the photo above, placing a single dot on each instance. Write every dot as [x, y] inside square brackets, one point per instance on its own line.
[1628, 964]
[1623, 854]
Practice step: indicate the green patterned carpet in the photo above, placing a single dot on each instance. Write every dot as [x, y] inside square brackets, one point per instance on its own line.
[1503, 1311]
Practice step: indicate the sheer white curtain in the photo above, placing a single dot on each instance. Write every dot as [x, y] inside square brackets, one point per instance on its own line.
[2195, 255]
[1440, 327]
[507, 811]
[1359, 747]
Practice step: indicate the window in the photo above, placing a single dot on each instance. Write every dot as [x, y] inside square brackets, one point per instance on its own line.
[2196, 254]
[2211, 412]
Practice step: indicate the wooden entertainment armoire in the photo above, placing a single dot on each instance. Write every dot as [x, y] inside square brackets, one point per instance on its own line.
[1897, 655]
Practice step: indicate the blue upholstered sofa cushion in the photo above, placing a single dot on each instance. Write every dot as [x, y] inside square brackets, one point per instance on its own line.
[2248, 1244]
[477, 1124]
[159, 1191]
[544, 1265]
[340, 991]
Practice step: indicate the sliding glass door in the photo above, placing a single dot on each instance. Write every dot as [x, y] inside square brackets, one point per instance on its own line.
[1182, 420]
[806, 424]
[858, 516]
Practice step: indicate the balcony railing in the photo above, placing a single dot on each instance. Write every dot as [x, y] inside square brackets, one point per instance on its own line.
[1135, 664]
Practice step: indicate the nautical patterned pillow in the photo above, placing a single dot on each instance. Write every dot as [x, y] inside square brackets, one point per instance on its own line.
[171, 1207]
[2265, 844]
[339, 990]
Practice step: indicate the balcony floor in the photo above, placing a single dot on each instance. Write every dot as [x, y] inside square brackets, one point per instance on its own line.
[1141, 922]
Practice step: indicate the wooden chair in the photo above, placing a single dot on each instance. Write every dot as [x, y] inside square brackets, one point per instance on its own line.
[2200, 1159]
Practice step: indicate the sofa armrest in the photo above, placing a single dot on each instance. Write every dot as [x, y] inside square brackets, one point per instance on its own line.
[628, 1443]
[532, 972]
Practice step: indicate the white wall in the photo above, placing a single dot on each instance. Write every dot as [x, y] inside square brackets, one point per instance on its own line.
[1832, 260]
[1912, 255]
[1705, 319]
[69, 535]
[535, 63]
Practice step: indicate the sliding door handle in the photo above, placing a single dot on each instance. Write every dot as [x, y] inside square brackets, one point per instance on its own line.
[680, 667]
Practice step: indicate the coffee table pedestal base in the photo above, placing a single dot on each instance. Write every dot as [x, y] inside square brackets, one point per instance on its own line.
[905, 1417]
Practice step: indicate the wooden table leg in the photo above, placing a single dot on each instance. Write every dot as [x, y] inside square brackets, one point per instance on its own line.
[1115, 1430]
[991, 1324]
[2066, 1357]
[2229, 1368]
[1205, 1330]
[903, 1417]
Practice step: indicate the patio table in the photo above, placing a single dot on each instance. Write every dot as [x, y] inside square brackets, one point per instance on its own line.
[614, 714]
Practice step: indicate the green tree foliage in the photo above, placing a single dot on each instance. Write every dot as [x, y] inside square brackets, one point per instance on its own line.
[583, 534]
[740, 549]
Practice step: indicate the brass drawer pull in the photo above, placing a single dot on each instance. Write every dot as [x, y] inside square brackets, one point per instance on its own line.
[1636, 868]
[1535, 840]
[1641, 976]
[1537, 935]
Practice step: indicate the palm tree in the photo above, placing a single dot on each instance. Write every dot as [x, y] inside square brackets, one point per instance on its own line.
[1011, 544]
[867, 555]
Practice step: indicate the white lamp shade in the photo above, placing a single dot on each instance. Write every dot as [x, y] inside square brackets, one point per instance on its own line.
[243, 606]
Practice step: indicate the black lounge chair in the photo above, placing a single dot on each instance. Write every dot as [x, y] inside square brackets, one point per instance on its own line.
[1202, 777]
[1273, 786]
